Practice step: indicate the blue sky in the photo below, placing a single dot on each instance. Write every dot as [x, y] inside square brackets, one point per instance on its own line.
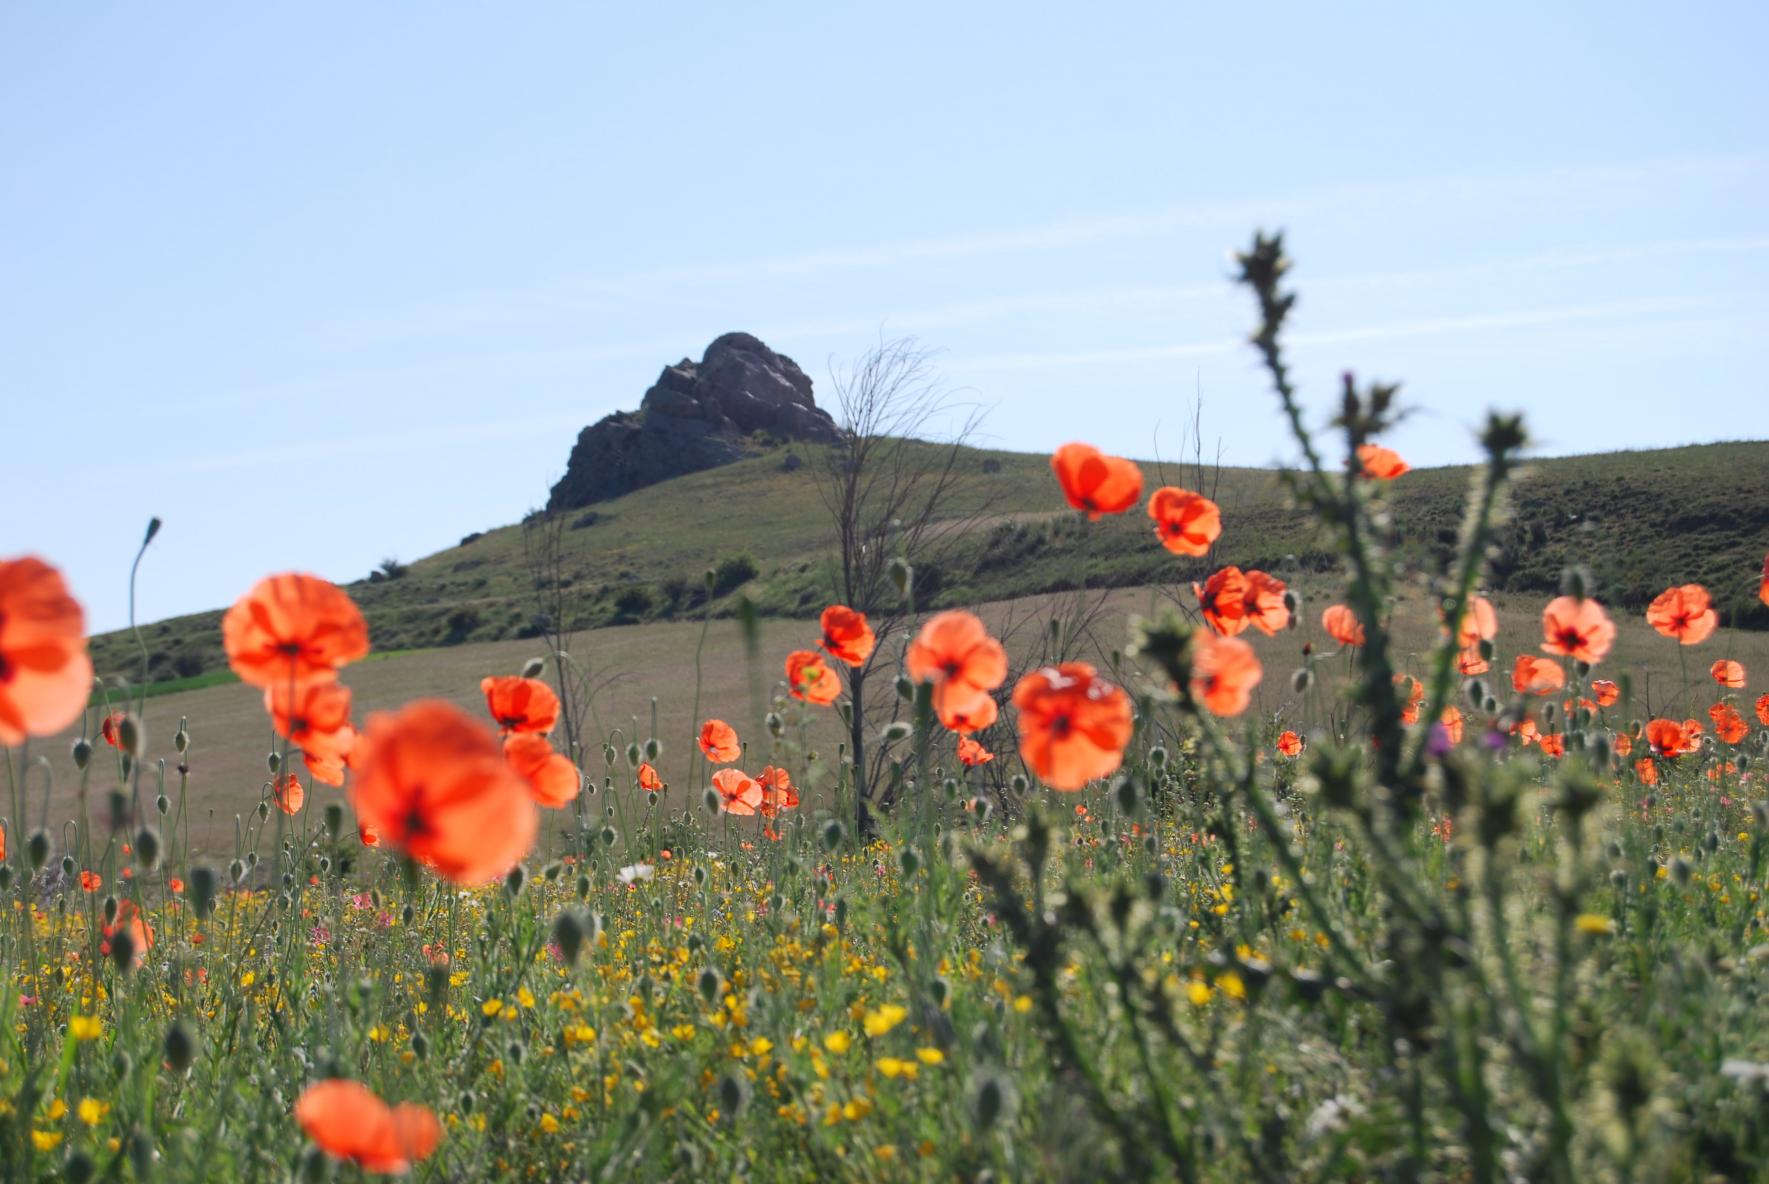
[324, 283]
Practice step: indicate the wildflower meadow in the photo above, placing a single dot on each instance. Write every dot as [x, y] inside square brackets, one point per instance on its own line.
[929, 903]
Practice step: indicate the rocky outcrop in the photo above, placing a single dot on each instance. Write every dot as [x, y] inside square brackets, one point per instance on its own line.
[695, 416]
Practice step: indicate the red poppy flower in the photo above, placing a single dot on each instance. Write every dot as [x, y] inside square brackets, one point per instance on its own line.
[347, 1121]
[369, 835]
[1223, 600]
[432, 780]
[1623, 744]
[1451, 719]
[289, 793]
[718, 740]
[955, 652]
[111, 729]
[1073, 724]
[140, 932]
[1728, 673]
[1685, 613]
[1186, 522]
[316, 717]
[552, 778]
[1606, 691]
[649, 781]
[1095, 483]
[1342, 625]
[1379, 463]
[971, 753]
[293, 628]
[1224, 672]
[1577, 629]
[1469, 663]
[90, 882]
[1409, 714]
[1763, 710]
[1646, 771]
[1729, 725]
[1290, 744]
[966, 716]
[521, 704]
[1763, 588]
[810, 679]
[1479, 623]
[1668, 737]
[777, 791]
[1553, 744]
[1536, 676]
[1262, 604]
[738, 792]
[45, 673]
[847, 636]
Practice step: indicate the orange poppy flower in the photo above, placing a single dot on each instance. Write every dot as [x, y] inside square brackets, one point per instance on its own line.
[1763, 588]
[369, 835]
[847, 636]
[955, 652]
[1728, 673]
[777, 791]
[1342, 625]
[1479, 623]
[1685, 613]
[966, 716]
[1646, 771]
[1526, 731]
[810, 679]
[1073, 724]
[718, 740]
[649, 781]
[521, 704]
[1186, 522]
[1262, 605]
[1290, 744]
[1623, 744]
[347, 1121]
[1223, 600]
[1379, 463]
[1577, 629]
[1451, 719]
[1536, 676]
[1729, 725]
[293, 628]
[90, 882]
[289, 793]
[1409, 714]
[432, 780]
[971, 753]
[45, 673]
[738, 792]
[552, 778]
[111, 729]
[1095, 483]
[1671, 738]
[1553, 744]
[316, 717]
[1606, 691]
[1469, 663]
[1224, 672]
[2, 844]
[1763, 710]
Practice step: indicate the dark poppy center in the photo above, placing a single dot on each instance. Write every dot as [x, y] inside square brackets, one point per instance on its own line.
[416, 822]
[1061, 726]
[1571, 639]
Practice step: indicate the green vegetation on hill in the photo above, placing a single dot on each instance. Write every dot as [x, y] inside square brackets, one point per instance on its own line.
[759, 525]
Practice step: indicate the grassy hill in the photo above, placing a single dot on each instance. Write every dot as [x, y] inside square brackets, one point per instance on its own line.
[1700, 513]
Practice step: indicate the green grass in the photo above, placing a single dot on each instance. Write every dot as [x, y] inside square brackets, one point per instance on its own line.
[1702, 512]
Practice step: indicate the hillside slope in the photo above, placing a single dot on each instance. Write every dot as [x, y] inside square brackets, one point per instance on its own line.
[1700, 513]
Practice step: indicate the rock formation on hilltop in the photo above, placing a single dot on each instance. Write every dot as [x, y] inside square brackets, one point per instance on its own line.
[694, 417]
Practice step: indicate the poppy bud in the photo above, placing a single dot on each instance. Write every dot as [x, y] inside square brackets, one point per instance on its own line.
[533, 667]
[237, 870]
[733, 1095]
[420, 1046]
[905, 689]
[118, 803]
[201, 889]
[79, 1168]
[67, 866]
[181, 738]
[515, 879]
[1575, 582]
[775, 725]
[109, 910]
[583, 887]
[653, 749]
[980, 807]
[1487, 649]
[123, 949]
[1681, 871]
[711, 579]
[147, 847]
[1293, 606]
[896, 731]
[131, 736]
[909, 861]
[832, 834]
[274, 762]
[82, 753]
[708, 984]
[37, 850]
[711, 800]
[1019, 784]
[315, 1167]
[1302, 680]
[990, 1100]
[1476, 691]
[6, 876]
[1126, 794]
[841, 914]
[181, 1047]
[568, 935]
[609, 835]
[162, 805]
[902, 576]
